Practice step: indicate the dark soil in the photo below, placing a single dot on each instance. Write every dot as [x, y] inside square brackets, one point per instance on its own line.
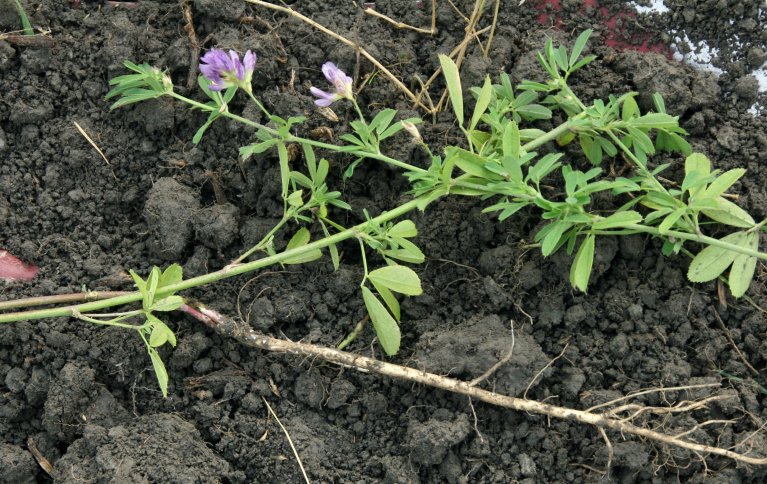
[87, 397]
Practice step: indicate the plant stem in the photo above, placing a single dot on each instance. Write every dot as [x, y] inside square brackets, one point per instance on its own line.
[29, 302]
[550, 136]
[266, 238]
[258, 103]
[231, 271]
[225, 273]
[298, 139]
[703, 239]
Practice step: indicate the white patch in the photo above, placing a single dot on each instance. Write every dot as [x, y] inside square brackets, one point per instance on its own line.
[656, 6]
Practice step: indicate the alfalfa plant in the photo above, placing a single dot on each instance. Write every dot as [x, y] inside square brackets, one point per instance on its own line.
[499, 161]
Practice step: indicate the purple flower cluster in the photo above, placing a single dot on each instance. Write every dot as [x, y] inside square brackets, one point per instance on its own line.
[341, 82]
[226, 70]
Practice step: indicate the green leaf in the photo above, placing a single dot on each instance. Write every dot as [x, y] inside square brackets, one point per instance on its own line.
[580, 43]
[656, 120]
[404, 228]
[668, 222]
[560, 58]
[385, 325]
[257, 148]
[640, 139]
[389, 299]
[580, 271]
[138, 281]
[301, 179]
[553, 235]
[159, 370]
[198, 135]
[397, 278]
[311, 161]
[408, 252]
[161, 333]
[170, 303]
[172, 274]
[151, 287]
[322, 172]
[485, 94]
[300, 239]
[532, 112]
[511, 142]
[712, 261]
[723, 182]
[744, 266]
[617, 220]
[453, 80]
[471, 163]
[630, 109]
[334, 258]
[509, 209]
[660, 106]
[729, 214]
[382, 120]
[295, 198]
[543, 167]
[668, 141]
[697, 162]
[282, 151]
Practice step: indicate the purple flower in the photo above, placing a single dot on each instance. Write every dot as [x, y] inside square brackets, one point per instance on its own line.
[226, 70]
[341, 82]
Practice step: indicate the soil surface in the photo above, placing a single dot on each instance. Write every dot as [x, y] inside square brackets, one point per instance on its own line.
[86, 396]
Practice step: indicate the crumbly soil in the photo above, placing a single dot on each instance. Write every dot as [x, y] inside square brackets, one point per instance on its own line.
[86, 396]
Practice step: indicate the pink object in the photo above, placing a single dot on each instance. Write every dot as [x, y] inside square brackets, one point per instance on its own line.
[13, 269]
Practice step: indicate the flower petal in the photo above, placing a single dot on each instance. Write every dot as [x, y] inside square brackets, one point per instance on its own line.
[330, 70]
[249, 60]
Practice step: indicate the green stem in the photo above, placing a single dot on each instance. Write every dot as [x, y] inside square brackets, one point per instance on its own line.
[111, 322]
[703, 239]
[264, 241]
[298, 139]
[359, 111]
[225, 273]
[232, 271]
[551, 135]
[258, 103]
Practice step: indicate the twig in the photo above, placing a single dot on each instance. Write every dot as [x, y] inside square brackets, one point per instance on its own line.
[95, 146]
[290, 441]
[732, 342]
[402, 25]
[194, 41]
[348, 42]
[499, 364]
[250, 338]
[492, 27]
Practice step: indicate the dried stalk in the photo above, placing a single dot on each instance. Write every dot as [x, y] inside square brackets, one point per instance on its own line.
[402, 25]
